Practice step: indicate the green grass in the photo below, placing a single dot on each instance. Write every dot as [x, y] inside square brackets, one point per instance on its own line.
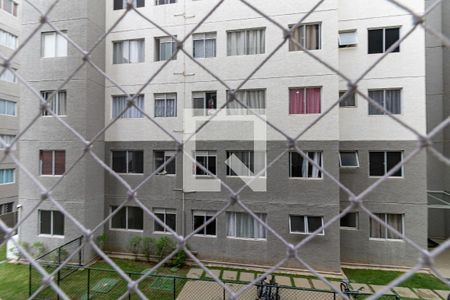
[379, 277]
[3, 252]
[13, 281]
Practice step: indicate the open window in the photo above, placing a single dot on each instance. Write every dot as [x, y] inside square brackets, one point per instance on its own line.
[348, 39]
[348, 159]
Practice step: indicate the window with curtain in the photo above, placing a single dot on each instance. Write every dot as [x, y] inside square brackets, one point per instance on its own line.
[163, 2]
[7, 108]
[253, 99]
[57, 102]
[53, 44]
[168, 217]
[299, 167]
[52, 162]
[163, 158]
[128, 162]
[120, 103]
[350, 221]
[7, 176]
[308, 36]
[379, 231]
[243, 225]
[122, 4]
[8, 76]
[381, 39]
[8, 39]
[381, 162]
[305, 100]
[200, 218]
[51, 222]
[127, 218]
[208, 159]
[204, 44]
[348, 101]
[204, 103]
[245, 163]
[246, 42]
[305, 224]
[166, 105]
[389, 99]
[129, 51]
[165, 48]
[7, 138]
[9, 6]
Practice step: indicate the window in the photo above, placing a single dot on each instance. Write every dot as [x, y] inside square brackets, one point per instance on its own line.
[120, 103]
[7, 108]
[390, 100]
[246, 42]
[128, 162]
[204, 103]
[53, 45]
[127, 218]
[348, 39]
[200, 218]
[380, 40]
[57, 102]
[166, 105]
[7, 138]
[7, 176]
[348, 159]
[305, 224]
[253, 99]
[168, 217]
[165, 48]
[207, 159]
[245, 163]
[299, 167]
[304, 101]
[382, 162]
[51, 222]
[9, 6]
[129, 51]
[8, 76]
[8, 39]
[379, 231]
[204, 45]
[52, 162]
[350, 221]
[163, 2]
[348, 101]
[243, 225]
[6, 208]
[306, 35]
[162, 158]
[121, 4]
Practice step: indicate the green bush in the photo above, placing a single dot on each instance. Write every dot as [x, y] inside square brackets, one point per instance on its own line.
[25, 246]
[101, 240]
[148, 247]
[134, 245]
[164, 247]
[38, 249]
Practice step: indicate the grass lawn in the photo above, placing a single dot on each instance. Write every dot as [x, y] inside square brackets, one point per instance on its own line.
[379, 277]
[13, 281]
[3, 252]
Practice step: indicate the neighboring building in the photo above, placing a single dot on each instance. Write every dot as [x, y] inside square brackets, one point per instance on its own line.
[355, 143]
[9, 107]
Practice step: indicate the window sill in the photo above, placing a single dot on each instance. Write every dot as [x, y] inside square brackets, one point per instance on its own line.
[349, 228]
[162, 232]
[54, 57]
[386, 240]
[9, 183]
[306, 234]
[206, 236]
[349, 167]
[50, 176]
[11, 116]
[247, 239]
[51, 236]
[246, 177]
[130, 174]
[126, 230]
[50, 116]
[306, 178]
[390, 177]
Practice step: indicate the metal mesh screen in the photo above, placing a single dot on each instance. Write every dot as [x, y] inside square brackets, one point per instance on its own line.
[134, 284]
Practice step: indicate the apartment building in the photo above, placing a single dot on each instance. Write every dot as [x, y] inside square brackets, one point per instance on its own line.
[9, 112]
[354, 142]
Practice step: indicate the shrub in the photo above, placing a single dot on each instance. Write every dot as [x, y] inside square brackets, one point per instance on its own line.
[38, 249]
[101, 240]
[148, 247]
[25, 246]
[164, 247]
[134, 245]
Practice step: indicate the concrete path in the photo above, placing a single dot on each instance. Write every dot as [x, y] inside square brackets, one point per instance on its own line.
[426, 294]
[405, 292]
[194, 273]
[442, 263]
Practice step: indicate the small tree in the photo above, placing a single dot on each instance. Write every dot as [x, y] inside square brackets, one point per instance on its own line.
[101, 240]
[148, 247]
[134, 245]
[164, 247]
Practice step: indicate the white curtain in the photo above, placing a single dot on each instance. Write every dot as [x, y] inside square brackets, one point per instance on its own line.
[210, 47]
[7, 176]
[160, 105]
[120, 104]
[255, 99]
[7, 108]
[305, 165]
[117, 53]
[61, 103]
[396, 221]
[378, 97]
[260, 162]
[393, 101]
[243, 225]
[136, 51]
[8, 40]
[255, 41]
[317, 158]
[236, 43]
[171, 106]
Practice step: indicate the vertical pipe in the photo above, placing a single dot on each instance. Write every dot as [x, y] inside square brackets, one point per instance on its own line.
[174, 288]
[29, 280]
[88, 283]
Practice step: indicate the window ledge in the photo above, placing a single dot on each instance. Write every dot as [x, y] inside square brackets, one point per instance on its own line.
[349, 228]
[9, 183]
[387, 240]
[390, 177]
[247, 239]
[306, 178]
[126, 230]
[162, 232]
[206, 236]
[306, 234]
[51, 236]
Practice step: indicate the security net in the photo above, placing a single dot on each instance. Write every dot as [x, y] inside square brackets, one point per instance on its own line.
[133, 283]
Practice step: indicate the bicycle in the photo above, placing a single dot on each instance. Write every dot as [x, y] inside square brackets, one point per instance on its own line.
[346, 289]
[267, 290]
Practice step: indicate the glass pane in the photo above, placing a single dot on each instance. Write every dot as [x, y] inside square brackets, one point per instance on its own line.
[296, 162]
[297, 224]
[349, 159]
[378, 97]
[135, 218]
[171, 220]
[119, 220]
[58, 223]
[376, 229]
[393, 158]
[396, 221]
[203, 161]
[199, 106]
[392, 36]
[211, 227]
[135, 162]
[376, 41]
[199, 221]
[60, 162]
[45, 222]
[119, 161]
[350, 220]
[349, 100]
[199, 48]
[170, 167]
[46, 161]
[212, 164]
[158, 227]
[314, 223]
[376, 163]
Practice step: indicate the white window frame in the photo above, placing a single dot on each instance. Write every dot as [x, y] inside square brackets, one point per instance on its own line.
[8, 35]
[14, 176]
[349, 167]
[249, 153]
[357, 222]
[126, 220]
[305, 222]
[51, 235]
[384, 38]
[129, 51]
[235, 237]
[14, 7]
[198, 95]
[384, 101]
[57, 101]
[204, 37]
[4, 102]
[308, 165]
[164, 2]
[207, 154]
[126, 158]
[165, 212]
[66, 50]
[303, 43]
[4, 206]
[53, 164]
[385, 164]
[167, 155]
[386, 239]
[352, 44]
[163, 96]
[166, 40]
[348, 106]
[204, 214]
